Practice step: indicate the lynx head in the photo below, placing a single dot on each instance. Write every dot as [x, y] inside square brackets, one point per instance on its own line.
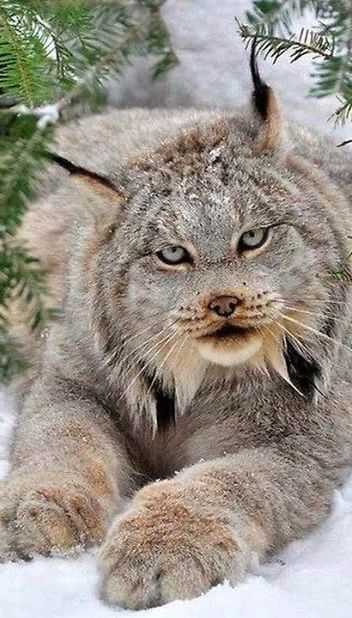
[220, 263]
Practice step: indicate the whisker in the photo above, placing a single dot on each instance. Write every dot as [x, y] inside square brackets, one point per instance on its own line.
[163, 316]
[160, 320]
[281, 372]
[266, 327]
[312, 299]
[167, 327]
[162, 365]
[299, 343]
[183, 341]
[274, 335]
[311, 382]
[143, 345]
[148, 363]
[147, 351]
[112, 356]
[315, 332]
[130, 337]
[318, 315]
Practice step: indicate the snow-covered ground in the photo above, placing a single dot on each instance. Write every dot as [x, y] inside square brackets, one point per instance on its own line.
[310, 579]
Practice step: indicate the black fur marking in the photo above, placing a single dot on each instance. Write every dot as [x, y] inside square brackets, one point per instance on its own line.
[165, 410]
[303, 372]
[261, 89]
[81, 171]
[165, 404]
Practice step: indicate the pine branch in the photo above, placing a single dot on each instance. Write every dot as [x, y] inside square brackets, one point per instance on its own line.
[68, 39]
[26, 281]
[278, 15]
[22, 155]
[108, 63]
[12, 358]
[343, 112]
[307, 42]
[24, 61]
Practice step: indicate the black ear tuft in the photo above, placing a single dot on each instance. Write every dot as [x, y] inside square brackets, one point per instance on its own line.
[77, 170]
[261, 89]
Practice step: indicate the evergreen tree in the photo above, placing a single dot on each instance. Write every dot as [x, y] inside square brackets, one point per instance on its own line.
[55, 58]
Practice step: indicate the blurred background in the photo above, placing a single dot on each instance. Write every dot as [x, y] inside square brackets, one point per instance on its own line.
[213, 66]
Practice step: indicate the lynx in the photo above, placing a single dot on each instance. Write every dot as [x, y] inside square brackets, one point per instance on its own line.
[192, 409]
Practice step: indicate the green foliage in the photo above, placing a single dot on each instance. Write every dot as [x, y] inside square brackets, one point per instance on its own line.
[58, 53]
[277, 15]
[329, 42]
[21, 159]
[274, 47]
[45, 48]
[22, 149]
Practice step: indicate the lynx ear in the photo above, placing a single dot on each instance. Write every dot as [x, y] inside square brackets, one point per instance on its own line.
[267, 107]
[101, 185]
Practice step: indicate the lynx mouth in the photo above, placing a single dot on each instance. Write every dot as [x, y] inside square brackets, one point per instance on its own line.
[228, 331]
[230, 345]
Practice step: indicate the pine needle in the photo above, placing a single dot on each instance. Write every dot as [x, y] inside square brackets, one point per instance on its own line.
[270, 46]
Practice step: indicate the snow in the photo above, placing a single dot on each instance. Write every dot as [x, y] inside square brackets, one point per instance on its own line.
[312, 577]
[47, 114]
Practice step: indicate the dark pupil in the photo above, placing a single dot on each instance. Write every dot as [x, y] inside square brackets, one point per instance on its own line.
[252, 234]
[174, 249]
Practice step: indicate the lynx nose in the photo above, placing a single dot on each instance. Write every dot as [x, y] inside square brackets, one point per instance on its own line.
[224, 306]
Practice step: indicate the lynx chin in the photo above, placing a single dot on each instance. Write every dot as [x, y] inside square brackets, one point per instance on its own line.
[203, 332]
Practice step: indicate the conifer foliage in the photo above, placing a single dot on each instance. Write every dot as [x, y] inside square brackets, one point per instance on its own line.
[55, 59]
[328, 41]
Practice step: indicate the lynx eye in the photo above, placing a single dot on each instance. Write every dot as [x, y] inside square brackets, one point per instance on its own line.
[174, 255]
[253, 239]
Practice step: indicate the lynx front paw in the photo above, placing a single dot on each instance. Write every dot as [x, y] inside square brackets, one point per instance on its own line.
[42, 513]
[162, 549]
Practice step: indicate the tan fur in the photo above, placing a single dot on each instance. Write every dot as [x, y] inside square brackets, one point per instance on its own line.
[270, 136]
[263, 427]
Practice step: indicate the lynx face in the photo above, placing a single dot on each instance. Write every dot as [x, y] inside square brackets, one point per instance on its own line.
[219, 273]
[223, 262]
